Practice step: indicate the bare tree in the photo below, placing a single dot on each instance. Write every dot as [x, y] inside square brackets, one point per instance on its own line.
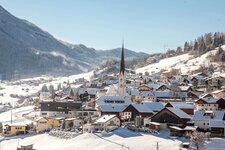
[198, 139]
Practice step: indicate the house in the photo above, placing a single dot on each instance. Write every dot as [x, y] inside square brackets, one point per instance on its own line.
[209, 120]
[171, 116]
[144, 87]
[192, 95]
[143, 110]
[16, 129]
[185, 88]
[107, 123]
[186, 107]
[207, 104]
[219, 93]
[167, 96]
[163, 87]
[129, 113]
[45, 96]
[111, 109]
[58, 109]
[54, 123]
[72, 122]
[215, 82]
[138, 97]
[179, 131]
[41, 124]
[112, 104]
[198, 80]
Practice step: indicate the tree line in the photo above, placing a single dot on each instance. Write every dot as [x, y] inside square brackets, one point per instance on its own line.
[204, 43]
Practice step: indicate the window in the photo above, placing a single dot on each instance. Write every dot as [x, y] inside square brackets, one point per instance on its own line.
[44, 113]
[203, 123]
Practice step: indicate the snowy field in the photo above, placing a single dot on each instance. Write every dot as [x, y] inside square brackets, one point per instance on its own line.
[17, 115]
[121, 139]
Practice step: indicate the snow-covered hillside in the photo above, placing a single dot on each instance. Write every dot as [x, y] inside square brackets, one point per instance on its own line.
[28, 87]
[186, 63]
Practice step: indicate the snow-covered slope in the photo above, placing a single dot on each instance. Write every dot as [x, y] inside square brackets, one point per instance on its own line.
[30, 86]
[186, 63]
[120, 139]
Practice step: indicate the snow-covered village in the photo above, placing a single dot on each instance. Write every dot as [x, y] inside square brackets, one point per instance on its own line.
[122, 100]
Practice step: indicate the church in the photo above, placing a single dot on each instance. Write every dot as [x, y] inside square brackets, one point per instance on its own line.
[119, 89]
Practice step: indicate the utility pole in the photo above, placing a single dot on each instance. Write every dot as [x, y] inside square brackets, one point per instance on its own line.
[157, 145]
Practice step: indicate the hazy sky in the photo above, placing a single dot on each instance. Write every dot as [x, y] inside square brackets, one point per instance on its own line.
[145, 25]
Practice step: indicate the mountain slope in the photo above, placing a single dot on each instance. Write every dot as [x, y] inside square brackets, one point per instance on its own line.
[27, 50]
[186, 63]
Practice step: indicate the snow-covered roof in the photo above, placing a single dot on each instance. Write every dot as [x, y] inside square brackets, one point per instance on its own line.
[182, 105]
[202, 115]
[112, 108]
[149, 106]
[179, 112]
[115, 100]
[105, 118]
[146, 93]
[142, 108]
[39, 118]
[153, 85]
[209, 100]
[184, 88]
[90, 91]
[217, 123]
[135, 92]
[162, 94]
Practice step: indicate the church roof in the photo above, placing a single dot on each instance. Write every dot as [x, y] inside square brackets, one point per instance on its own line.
[122, 63]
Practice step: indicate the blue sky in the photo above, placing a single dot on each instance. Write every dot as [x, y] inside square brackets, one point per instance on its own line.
[145, 25]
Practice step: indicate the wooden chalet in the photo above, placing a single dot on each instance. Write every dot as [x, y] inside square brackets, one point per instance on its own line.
[171, 116]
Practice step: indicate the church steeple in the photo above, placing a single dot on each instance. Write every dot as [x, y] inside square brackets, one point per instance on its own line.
[122, 75]
[122, 63]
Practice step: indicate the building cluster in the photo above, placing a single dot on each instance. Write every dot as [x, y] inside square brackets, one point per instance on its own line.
[181, 104]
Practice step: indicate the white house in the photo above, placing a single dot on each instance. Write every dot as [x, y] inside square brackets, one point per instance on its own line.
[41, 124]
[207, 104]
[107, 122]
[206, 119]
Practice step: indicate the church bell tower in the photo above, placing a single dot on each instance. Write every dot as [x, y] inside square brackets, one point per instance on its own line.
[122, 75]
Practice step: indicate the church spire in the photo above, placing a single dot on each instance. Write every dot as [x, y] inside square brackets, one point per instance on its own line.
[122, 63]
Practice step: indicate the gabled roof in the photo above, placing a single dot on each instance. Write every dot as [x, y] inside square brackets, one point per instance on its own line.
[39, 118]
[148, 107]
[181, 105]
[167, 86]
[208, 100]
[104, 118]
[178, 112]
[184, 88]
